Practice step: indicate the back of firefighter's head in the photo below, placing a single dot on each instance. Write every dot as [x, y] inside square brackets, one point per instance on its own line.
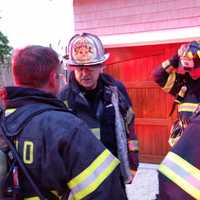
[86, 57]
[189, 55]
[36, 67]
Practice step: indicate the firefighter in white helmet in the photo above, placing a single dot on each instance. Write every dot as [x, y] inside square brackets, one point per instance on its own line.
[101, 101]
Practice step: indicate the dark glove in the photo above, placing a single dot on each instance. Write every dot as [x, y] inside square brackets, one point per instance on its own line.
[174, 61]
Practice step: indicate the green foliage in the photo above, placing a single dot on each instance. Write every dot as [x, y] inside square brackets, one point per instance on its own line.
[5, 49]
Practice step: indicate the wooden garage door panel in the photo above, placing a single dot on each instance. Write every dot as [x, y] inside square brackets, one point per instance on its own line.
[152, 142]
[134, 67]
[150, 102]
[151, 139]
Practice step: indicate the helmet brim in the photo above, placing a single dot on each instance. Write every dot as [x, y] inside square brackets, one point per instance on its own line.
[94, 62]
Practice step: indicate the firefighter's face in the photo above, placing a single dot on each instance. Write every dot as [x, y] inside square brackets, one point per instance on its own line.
[87, 76]
[187, 65]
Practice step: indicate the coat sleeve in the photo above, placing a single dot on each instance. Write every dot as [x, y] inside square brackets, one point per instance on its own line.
[129, 117]
[86, 168]
[169, 80]
[175, 172]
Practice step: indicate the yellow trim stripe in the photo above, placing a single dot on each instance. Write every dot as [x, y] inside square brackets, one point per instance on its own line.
[170, 82]
[187, 107]
[96, 132]
[97, 182]
[184, 164]
[183, 175]
[198, 53]
[97, 179]
[9, 111]
[88, 171]
[180, 181]
[37, 198]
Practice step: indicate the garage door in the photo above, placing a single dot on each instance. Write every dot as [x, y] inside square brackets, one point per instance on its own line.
[134, 67]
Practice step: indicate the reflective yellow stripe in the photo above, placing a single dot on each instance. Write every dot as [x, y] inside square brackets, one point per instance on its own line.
[9, 111]
[90, 179]
[182, 173]
[133, 145]
[187, 107]
[56, 194]
[198, 53]
[37, 198]
[98, 181]
[184, 164]
[96, 163]
[170, 82]
[32, 198]
[96, 132]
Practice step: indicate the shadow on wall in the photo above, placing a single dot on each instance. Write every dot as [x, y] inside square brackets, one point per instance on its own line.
[5, 75]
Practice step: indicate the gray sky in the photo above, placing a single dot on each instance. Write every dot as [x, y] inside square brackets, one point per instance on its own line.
[40, 22]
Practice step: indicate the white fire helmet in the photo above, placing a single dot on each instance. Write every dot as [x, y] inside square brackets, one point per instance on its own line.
[85, 50]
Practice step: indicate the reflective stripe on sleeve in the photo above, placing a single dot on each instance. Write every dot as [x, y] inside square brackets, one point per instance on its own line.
[66, 103]
[9, 111]
[187, 107]
[96, 132]
[37, 198]
[182, 173]
[92, 177]
[170, 82]
[133, 145]
[32, 198]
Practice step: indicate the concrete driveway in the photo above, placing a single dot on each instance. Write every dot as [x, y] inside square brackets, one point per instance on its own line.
[145, 183]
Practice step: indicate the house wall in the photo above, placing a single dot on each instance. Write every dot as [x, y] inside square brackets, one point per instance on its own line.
[115, 17]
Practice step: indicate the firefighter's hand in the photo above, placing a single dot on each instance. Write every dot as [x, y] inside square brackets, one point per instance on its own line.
[171, 64]
[130, 179]
[174, 61]
[133, 172]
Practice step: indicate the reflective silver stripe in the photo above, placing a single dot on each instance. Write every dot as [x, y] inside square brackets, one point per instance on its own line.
[182, 173]
[9, 111]
[94, 176]
[187, 107]
[96, 132]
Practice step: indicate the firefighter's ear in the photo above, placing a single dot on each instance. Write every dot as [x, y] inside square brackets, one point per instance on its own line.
[53, 83]
[52, 78]
[102, 68]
